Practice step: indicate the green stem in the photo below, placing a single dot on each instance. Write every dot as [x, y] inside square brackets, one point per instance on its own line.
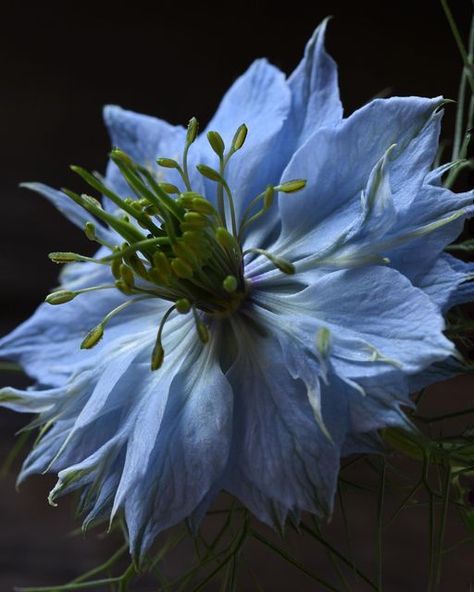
[14, 452]
[442, 527]
[304, 527]
[220, 194]
[103, 567]
[458, 38]
[326, 585]
[380, 500]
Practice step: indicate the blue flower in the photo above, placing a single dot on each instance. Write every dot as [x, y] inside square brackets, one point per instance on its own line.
[297, 284]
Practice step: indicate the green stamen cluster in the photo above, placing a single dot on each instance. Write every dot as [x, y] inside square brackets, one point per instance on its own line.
[177, 245]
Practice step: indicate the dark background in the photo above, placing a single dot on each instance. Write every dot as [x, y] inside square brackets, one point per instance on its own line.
[60, 62]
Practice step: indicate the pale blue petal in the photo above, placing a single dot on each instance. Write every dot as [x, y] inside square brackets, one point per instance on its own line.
[448, 282]
[315, 90]
[145, 139]
[438, 372]
[71, 210]
[379, 323]
[189, 453]
[434, 220]
[281, 460]
[337, 161]
[47, 345]
[261, 99]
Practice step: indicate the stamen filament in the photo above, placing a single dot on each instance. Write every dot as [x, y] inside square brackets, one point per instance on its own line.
[282, 264]
[95, 334]
[63, 296]
[127, 230]
[158, 352]
[120, 203]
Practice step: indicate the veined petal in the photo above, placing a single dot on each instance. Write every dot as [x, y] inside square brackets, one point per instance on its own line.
[261, 99]
[337, 160]
[187, 455]
[448, 282]
[281, 459]
[315, 89]
[375, 317]
[70, 209]
[145, 139]
[47, 345]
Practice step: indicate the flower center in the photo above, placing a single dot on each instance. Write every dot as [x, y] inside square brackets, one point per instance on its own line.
[177, 245]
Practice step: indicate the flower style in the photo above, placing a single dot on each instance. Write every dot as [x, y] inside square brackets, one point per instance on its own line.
[259, 306]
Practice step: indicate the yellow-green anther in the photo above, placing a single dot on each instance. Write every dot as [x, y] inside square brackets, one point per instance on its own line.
[93, 337]
[196, 220]
[150, 210]
[183, 306]
[185, 202]
[203, 331]
[65, 257]
[156, 276]
[115, 265]
[91, 201]
[193, 236]
[89, 231]
[192, 132]
[123, 287]
[183, 251]
[209, 173]
[160, 261]
[323, 337]
[280, 263]
[239, 137]
[216, 142]
[60, 297]
[196, 241]
[225, 239]
[137, 265]
[167, 163]
[268, 196]
[283, 265]
[230, 284]
[291, 186]
[157, 356]
[126, 275]
[168, 187]
[119, 155]
[202, 206]
[182, 269]
[135, 204]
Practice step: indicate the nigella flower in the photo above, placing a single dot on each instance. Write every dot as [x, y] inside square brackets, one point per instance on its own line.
[259, 306]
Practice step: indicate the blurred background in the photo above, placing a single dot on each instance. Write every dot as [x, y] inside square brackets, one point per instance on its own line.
[60, 63]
